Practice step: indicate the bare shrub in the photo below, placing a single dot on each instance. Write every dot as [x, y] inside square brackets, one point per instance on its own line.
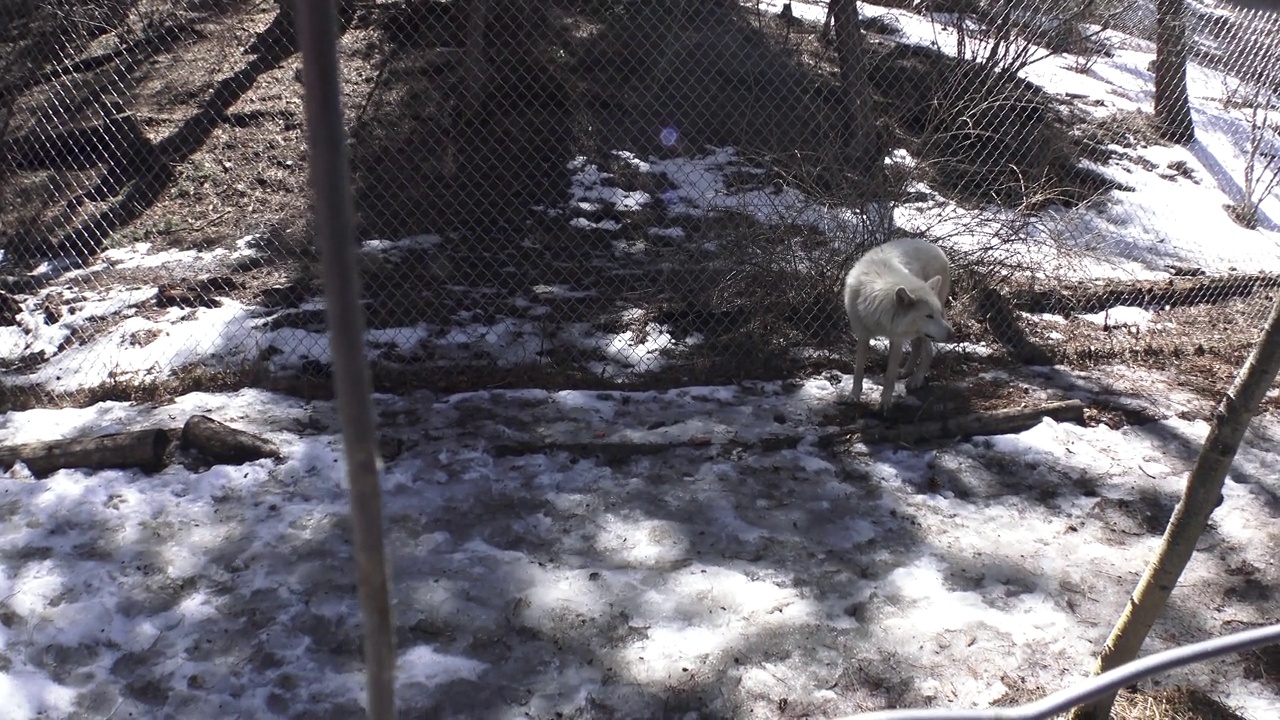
[1261, 172]
[1262, 161]
[787, 271]
[989, 36]
[1022, 246]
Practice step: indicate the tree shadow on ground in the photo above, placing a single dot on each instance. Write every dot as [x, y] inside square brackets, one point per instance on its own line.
[1229, 185]
[135, 170]
[562, 535]
[702, 579]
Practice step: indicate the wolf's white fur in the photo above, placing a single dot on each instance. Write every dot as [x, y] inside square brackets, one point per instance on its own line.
[897, 290]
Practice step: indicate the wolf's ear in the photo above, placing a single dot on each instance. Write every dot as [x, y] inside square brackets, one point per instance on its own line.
[934, 284]
[904, 296]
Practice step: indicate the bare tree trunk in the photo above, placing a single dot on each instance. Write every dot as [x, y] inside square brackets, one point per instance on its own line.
[859, 129]
[476, 65]
[1172, 104]
[860, 152]
[1203, 494]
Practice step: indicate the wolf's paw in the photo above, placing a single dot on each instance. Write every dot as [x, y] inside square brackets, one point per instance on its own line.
[849, 397]
[886, 402]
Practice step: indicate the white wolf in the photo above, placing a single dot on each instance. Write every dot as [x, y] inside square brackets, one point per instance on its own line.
[897, 290]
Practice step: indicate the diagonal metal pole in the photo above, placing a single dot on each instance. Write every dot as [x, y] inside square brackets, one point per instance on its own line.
[316, 24]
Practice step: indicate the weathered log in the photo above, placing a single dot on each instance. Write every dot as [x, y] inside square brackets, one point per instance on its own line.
[612, 450]
[224, 444]
[1172, 292]
[196, 293]
[10, 309]
[143, 449]
[998, 422]
[119, 140]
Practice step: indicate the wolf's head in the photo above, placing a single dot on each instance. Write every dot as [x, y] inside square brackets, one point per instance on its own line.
[919, 312]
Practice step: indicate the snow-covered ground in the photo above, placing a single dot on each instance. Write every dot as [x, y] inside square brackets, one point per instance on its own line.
[713, 577]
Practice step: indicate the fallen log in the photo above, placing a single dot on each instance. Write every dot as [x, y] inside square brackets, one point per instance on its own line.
[223, 444]
[1171, 292]
[119, 140]
[10, 309]
[612, 450]
[997, 422]
[196, 293]
[143, 449]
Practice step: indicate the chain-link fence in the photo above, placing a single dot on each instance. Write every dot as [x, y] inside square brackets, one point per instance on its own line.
[611, 192]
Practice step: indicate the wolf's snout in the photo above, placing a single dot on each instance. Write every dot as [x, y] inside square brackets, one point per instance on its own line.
[947, 335]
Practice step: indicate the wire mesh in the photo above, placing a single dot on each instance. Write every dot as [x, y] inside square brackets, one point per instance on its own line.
[619, 193]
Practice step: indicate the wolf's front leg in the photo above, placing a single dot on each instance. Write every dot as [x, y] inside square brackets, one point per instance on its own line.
[925, 348]
[913, 360]
[891, 374]
[860, 366]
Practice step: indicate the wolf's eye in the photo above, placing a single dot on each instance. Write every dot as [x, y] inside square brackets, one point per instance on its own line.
[929, 316]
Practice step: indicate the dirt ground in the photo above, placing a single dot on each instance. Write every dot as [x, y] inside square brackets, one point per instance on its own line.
[247, 177]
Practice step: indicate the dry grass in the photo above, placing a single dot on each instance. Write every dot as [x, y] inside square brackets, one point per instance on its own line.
[1176, 703]
[1171, 703]
[1205, 343]
[183, 380]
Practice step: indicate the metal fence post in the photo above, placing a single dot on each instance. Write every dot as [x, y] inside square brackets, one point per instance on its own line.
[315, 23]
